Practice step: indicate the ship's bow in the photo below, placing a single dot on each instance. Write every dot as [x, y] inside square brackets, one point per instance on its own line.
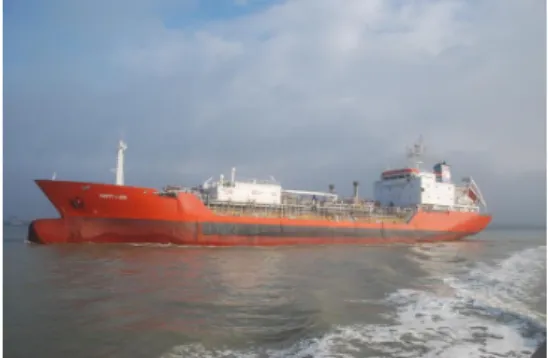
[48, 231]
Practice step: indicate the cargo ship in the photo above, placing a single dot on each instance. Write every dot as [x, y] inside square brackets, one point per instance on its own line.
[410, 205]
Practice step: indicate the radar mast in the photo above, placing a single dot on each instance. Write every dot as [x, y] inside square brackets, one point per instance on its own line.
[415, 153]
[120, 163]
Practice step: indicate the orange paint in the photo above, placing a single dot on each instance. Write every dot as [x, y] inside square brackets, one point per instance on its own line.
[93, 212]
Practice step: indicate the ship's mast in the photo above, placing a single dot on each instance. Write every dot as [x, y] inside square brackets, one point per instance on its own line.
[415, 153]
[120, 163]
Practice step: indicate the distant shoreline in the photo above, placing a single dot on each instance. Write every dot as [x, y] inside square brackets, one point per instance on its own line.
[19, 223]
[515, 227]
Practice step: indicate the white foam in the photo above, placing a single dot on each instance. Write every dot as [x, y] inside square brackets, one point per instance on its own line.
[507, 285]
[483, 316]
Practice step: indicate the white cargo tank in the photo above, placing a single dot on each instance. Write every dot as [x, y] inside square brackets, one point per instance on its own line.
[246, 192]
[266, 192]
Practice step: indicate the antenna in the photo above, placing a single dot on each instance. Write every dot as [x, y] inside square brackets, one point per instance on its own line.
[120, 163]
[415, 153]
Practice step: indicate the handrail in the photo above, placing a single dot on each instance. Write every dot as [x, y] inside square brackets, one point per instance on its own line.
[330, 206]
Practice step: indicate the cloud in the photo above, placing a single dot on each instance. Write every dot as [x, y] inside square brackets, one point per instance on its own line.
[309, 91]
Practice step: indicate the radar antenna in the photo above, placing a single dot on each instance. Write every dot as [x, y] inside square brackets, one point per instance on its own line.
[415, 153]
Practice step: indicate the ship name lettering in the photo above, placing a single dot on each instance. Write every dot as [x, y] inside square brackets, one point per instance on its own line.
[113, 196]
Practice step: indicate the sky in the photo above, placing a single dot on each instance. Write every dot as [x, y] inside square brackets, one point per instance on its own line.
[309, 91]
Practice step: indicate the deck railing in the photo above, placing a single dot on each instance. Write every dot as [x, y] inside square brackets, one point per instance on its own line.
[321, 209]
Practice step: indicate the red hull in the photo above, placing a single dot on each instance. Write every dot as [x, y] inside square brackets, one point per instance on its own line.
[104, 213]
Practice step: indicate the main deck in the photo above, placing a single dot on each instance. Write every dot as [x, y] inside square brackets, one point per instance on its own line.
[336, 212]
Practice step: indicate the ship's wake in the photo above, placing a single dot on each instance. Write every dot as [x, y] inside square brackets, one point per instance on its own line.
[482, 313]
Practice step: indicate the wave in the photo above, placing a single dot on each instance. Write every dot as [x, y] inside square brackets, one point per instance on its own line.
[482, 313]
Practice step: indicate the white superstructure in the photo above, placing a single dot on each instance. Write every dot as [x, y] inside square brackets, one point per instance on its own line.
[409, 187]
[255, 191]
[412, 186]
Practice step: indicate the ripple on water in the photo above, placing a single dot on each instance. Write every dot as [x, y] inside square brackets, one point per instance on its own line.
[425, 324]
